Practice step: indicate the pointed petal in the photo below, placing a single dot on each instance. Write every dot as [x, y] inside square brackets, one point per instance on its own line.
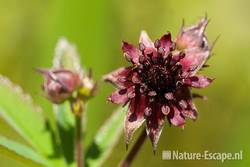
[130, 52]
[195, 45]
[198, 81]
[192, 114]
[194, 60]
[193, 36]
[144, 38]
[135, 116]
[119, 77]
[166, 42]
[190, 111]
[118, 98]
[121, 96]
[175, 117]
[155, 122]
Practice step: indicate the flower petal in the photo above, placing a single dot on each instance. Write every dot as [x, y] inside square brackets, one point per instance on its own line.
[121, 96]
[193, 36]
[119, 78]
[186, 105]
[130, 52]
[192, 114]
[194, 60]
[175, 117]
[155, 122]
[144, 38]
[189, 110]
[135, 116]
[198, 81]
[194, 43]
[166, 43]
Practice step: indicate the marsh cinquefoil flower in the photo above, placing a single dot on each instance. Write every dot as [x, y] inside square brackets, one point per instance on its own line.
[157, 86]
[66, 79]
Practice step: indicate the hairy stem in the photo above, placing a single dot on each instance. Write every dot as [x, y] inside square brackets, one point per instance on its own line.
[78, 141]
[133, 152]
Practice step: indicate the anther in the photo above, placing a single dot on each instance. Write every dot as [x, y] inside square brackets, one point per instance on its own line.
[152, 93]
[131, 95]
[148, 111]
[142, 47]
[157, 43]
[135, 79]
[169, 96]
[165, 110]
[141, 59]
[183, 104]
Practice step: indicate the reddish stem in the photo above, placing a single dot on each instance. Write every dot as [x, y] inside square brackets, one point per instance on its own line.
[133, 152]
[78, 141]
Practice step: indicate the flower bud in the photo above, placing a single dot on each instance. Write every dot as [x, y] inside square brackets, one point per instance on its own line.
[59, 85]
[193, 36]
[88, 88]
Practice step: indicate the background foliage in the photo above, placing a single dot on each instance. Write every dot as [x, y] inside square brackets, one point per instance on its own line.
[29, 30]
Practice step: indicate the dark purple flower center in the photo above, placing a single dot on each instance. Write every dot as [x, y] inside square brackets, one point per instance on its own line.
[160, 73]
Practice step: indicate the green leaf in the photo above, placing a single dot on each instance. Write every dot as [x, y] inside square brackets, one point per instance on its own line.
[66, 56]
[18, 111]
[21, 153]
[105, 139]
[66, 126]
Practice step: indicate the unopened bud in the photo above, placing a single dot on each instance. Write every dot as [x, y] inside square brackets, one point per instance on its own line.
[59, 85]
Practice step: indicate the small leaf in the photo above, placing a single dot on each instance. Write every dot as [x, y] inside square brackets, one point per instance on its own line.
[66, 57]
[105, 139]
[66, 125]
[21, 153]
[17, 109]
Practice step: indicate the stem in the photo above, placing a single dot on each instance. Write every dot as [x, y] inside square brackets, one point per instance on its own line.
[78, 141]
[133, 152]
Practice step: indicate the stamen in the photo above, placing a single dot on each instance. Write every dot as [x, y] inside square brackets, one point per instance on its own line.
[152, 93]
[169, 96]
[183, 104]
[135, 79]
[141, 59]
[148, 111]
[157, 43]
[143, 88]
[168, 59]
[131, 94]
[142, 47]
[165, 110]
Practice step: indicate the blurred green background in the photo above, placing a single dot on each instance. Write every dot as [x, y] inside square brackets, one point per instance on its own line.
[29, 30]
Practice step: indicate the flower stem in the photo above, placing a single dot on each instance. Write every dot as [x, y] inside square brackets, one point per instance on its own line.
[78, 141]
[78, 107]
[133, 152]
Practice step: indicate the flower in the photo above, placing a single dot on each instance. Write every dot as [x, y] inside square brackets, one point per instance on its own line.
[157, 86]
[66, 79]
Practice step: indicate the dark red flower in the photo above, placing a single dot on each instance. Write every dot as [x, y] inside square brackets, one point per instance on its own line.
[157, 85]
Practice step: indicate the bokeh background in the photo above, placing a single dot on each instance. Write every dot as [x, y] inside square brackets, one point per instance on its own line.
[29, 30]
